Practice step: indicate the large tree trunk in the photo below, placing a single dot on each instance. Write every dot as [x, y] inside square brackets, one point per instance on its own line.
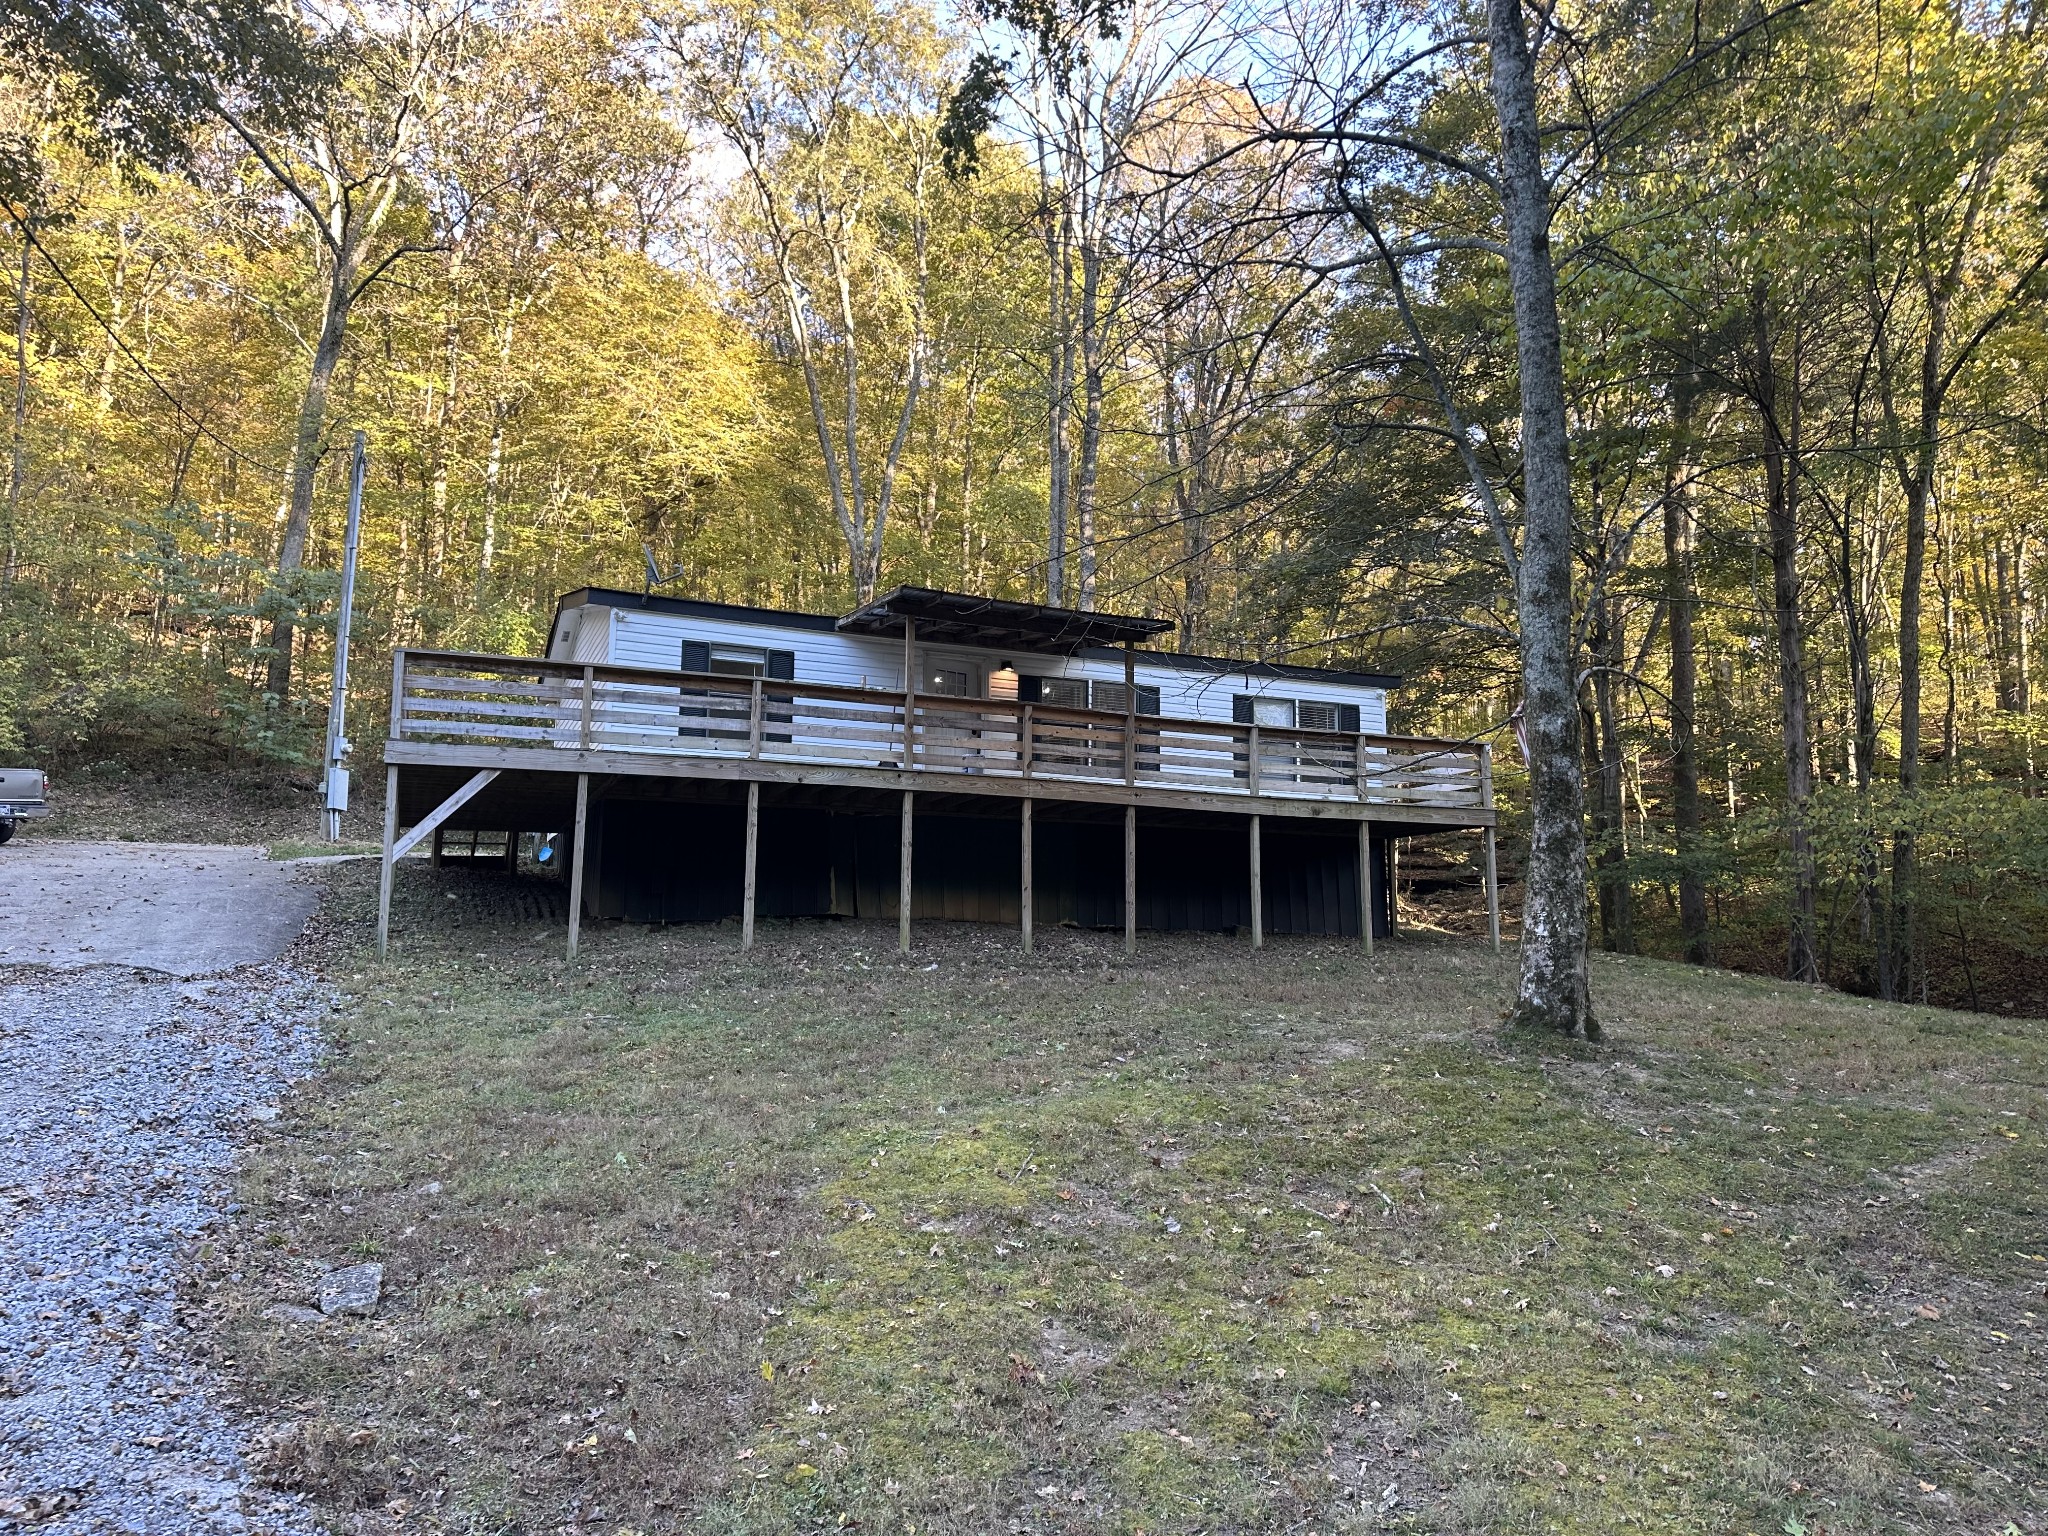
[1851, 561]
[1905, 908]
[1610, 859]
[1091, 421]
[308, 448]
[1059, 390]
[1685, 764]
[1781, 482]
[1553, 993]
[17, 441]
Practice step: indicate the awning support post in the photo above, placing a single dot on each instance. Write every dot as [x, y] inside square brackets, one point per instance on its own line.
[909, 701]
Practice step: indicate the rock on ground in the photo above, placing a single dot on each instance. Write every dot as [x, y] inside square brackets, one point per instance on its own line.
[126, 1096]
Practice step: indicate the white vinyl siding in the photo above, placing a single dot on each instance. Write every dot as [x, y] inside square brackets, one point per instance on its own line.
[636, 638]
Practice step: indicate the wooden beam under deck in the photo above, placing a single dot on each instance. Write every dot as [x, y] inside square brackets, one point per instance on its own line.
[570, 761]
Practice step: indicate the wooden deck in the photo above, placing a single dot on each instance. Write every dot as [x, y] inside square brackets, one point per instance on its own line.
[456, 714]
[455, 710]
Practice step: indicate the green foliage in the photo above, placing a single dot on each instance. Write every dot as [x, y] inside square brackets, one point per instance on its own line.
[585, 343]
[135, 76]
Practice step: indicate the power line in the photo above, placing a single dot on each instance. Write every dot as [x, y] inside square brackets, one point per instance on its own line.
[28, 234]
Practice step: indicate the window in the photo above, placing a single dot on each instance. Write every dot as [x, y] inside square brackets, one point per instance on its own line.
[1301, 714]
[1292, 758]
[737, 660]
[731, 709]
[1079, 693]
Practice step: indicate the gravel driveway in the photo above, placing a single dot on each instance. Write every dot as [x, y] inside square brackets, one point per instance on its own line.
[126, 1094]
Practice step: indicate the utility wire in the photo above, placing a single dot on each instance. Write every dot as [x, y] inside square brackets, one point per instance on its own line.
[28, 234]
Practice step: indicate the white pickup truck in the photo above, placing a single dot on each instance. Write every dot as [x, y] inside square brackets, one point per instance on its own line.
[24, 794]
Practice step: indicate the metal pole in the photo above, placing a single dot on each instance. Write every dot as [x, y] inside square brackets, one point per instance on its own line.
[336, 782]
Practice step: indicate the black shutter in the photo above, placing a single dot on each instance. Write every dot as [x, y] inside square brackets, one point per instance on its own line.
[1347, 717]
[1029, 688]
[1241, 708]
[1148, 699]
[782, 666]
[696, 658]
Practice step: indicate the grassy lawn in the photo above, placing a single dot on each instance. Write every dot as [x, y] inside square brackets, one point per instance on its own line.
[681, 1239]
[315, 848]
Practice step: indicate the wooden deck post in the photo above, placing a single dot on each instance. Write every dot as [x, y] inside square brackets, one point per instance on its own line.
[576, 862]
[1393, 887]
[1130, 879]
[1365, 884]
[1024, 893]
[384, 870]
[747, 883]
[440, 846]
[1258, 893]
[904, 888]
[1492, 894]
[1492, 863]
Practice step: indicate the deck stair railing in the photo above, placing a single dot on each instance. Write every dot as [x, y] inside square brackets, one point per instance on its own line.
[517, 702]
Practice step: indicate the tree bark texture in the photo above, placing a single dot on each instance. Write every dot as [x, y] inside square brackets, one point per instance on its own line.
[17, 441]
[308, 448]
[1781, 505]
[1059, 390]
[1679, 599]
[1553, 992]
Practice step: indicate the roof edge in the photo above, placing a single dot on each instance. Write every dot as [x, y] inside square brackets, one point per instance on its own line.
[786, 618]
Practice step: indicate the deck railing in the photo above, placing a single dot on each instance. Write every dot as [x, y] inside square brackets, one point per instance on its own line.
[499, 701]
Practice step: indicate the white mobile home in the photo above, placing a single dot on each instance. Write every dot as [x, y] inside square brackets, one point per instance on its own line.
[928, 754]
[964, 647]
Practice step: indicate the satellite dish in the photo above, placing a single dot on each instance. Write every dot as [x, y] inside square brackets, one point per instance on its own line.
[654, 577]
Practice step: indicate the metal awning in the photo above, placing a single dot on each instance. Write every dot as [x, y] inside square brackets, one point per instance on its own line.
[960, 618]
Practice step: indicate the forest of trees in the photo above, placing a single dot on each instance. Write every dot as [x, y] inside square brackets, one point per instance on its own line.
[1227, 313]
